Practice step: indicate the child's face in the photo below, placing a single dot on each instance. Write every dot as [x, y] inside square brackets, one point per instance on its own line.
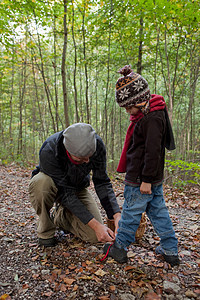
[132, 110]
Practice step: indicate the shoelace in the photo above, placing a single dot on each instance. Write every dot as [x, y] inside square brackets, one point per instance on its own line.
[102, 259]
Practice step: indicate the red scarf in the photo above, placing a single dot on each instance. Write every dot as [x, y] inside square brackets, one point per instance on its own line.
[71, 159]
[157, 102]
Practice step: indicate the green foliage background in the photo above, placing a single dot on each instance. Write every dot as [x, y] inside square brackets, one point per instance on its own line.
[102, 36]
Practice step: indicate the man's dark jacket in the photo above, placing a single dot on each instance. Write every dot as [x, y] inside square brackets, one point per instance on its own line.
[70, 178]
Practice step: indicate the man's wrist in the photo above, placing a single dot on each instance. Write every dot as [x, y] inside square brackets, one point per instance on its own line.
[93, 223]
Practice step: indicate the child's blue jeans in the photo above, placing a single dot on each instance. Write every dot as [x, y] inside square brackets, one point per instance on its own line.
[134, 205]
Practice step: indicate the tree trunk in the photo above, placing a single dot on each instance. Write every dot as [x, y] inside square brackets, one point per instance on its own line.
[108, 75]
[55, 73]
[64, 85]
[11, 146]
[75, 67]
[112, 136]
[139, 63]
[169, 81]
[155, 63]
[85, 67]
[49, 98]
[96, 98]
[22, 87]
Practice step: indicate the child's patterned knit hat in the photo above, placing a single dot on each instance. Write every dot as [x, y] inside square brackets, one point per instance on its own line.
[132, 89]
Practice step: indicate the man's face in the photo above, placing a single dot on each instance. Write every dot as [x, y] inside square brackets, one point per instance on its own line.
[80, 160]
[132, 110]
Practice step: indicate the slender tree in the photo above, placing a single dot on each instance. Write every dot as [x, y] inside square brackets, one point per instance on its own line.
[64, 84]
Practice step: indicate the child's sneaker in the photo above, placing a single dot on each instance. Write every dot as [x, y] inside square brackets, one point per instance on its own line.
[120, 255]
[173, 260]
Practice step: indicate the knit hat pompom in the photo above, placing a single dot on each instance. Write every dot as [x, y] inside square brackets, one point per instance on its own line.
[132, 89]
[126, 70]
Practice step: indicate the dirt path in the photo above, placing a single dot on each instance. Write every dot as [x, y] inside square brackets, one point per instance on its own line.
[72, 270]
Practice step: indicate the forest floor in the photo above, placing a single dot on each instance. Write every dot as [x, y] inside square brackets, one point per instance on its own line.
[73, 270]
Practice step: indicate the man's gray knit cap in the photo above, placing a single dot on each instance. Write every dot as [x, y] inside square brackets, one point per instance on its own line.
[79, 140]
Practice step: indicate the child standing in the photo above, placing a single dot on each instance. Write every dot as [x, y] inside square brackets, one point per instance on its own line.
[142, 159]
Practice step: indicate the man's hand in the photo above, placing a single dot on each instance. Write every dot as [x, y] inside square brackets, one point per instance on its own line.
[116, 217]
[103, 233]
[145, 188]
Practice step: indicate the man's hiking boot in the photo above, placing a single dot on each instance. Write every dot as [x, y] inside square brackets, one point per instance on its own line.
[173, 260]
[52, 242]
[120, 255]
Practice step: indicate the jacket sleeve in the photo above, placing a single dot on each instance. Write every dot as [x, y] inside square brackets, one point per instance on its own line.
[75, 206]
[102, 184]
[66, 194]
[153, 130]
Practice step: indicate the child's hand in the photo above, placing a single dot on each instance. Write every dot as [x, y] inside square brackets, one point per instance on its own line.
[145, 188]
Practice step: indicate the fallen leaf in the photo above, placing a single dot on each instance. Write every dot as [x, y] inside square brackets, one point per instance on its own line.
[16, 278]
[75, 288]
[66, 254]
[43, 262]
[56, 272]
[128, 268]
[86, 277]
[68, 281]
[25, 286]
[72, 267]
[97, 279]
[152, 296]
[131, 254]
[76, 245]
[63, 287]
[47, 294]
[5, 297]
[35, 257]
[79, 270]
[133, 283]
[100, 273]
[35, 276]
